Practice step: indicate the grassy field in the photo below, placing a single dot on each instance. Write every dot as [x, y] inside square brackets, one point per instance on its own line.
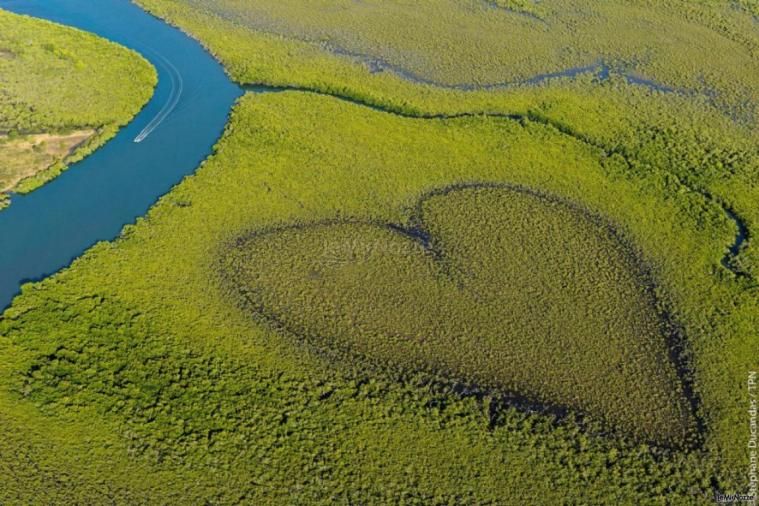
[21, 158]
[383, 291]
[65, 92]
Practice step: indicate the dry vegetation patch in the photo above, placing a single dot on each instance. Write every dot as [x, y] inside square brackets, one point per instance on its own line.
[29, 155]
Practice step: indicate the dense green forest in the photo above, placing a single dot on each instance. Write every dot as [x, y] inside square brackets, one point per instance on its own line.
[57, 81]
[488, 280]
[398, 284]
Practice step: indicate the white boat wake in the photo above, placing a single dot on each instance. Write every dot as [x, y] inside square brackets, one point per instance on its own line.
[177, 86]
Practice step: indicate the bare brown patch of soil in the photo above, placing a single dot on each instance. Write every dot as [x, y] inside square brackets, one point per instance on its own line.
[26, 156]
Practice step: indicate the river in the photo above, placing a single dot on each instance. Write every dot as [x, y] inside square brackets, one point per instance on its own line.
[46, 229]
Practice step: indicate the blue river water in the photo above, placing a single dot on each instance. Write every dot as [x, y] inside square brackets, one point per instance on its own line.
[45, 230]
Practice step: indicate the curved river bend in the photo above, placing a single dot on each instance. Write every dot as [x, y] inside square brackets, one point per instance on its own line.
[92, 201]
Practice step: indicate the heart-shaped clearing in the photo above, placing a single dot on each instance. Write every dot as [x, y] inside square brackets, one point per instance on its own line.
[494, 286]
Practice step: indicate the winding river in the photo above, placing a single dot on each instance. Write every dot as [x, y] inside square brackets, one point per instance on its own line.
[45, 230]
[92, 201]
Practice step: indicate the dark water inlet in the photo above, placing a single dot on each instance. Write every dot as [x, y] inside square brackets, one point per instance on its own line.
[43, 231]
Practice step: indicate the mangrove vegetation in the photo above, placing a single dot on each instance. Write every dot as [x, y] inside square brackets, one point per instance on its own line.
[446, 252]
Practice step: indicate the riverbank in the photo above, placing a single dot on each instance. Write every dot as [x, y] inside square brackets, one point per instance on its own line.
[57, 80]
[117, 183]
